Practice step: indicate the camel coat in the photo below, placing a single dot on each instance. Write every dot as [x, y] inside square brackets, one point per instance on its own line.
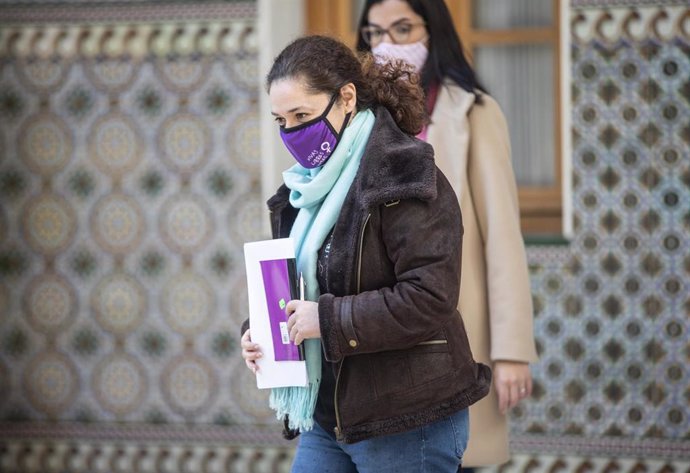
[472, 148]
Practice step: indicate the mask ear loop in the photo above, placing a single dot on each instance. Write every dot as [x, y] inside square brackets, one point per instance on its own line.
[342, 128]
[330, 105]
[338, 134]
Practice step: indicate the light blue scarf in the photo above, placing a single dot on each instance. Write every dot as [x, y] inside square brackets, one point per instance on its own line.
[319, 194]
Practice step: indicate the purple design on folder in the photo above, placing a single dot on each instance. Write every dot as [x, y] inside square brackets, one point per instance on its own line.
[276, 278]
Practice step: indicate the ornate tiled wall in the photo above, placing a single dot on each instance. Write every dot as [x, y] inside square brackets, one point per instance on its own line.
[129, 180]
[129, 183]
[612, 387]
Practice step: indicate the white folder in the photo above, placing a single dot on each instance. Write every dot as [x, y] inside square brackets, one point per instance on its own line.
[271, 374]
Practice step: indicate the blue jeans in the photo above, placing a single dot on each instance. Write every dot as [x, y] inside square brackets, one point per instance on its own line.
[436, 448]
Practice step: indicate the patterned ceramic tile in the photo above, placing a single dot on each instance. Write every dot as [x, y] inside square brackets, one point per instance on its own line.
[612, 319]
[129, 181]
[127, 193]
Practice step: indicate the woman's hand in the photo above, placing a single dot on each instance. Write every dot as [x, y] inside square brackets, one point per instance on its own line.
[513, 382]
[303, 321]
[250, 352]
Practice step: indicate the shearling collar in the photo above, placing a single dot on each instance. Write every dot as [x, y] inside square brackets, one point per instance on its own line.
[394, 166]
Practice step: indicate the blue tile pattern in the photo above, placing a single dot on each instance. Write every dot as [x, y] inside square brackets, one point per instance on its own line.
[612, 308]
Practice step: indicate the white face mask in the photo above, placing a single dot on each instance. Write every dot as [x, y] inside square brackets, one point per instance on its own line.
[414, 53]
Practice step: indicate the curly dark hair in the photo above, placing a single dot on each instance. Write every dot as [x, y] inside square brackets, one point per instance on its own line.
[326, 64]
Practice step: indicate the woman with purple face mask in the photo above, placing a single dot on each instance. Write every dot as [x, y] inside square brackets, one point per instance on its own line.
[378, 233]
[472, 148]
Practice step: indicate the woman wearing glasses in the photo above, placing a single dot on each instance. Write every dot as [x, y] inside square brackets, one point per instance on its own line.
[471, 143]
[378, 237]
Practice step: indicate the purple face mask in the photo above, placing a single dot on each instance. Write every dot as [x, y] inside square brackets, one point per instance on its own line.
[313, 142]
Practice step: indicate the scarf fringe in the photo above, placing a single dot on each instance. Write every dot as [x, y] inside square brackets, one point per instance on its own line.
[284, 400]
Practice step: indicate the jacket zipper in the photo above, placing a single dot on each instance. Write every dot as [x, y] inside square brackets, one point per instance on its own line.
[338, 431]
[359, 253]
[338, 434]
[434, 342]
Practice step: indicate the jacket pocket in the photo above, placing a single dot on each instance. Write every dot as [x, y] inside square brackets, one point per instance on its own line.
[398, 371]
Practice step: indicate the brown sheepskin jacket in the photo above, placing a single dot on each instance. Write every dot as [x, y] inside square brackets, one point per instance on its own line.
[390, 322]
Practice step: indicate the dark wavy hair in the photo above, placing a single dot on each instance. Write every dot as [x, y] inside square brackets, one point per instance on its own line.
[446, 57]
[326, 64]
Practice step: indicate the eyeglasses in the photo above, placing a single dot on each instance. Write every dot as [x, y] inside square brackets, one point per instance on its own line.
[398, 33]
